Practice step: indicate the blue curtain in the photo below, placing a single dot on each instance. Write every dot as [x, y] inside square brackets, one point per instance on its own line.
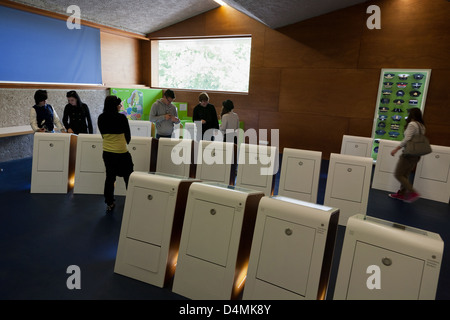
[36, 48]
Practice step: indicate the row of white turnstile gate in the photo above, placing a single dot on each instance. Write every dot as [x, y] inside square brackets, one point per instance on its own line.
[215, 241]
[347, 184]
[63, 160]
[218, 236]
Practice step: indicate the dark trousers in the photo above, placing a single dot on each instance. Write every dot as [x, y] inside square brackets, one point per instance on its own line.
[117, 165]
[403, 170]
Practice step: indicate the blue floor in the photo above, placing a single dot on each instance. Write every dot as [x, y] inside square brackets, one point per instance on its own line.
[42, 234]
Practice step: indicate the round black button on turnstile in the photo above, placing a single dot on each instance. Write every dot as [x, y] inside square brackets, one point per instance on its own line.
[386, 261]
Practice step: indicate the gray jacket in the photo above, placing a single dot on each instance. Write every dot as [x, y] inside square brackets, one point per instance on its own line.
[157, 115]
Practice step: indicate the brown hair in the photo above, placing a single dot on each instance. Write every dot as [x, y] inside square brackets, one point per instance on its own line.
[227, 107]
[169, 94]
[416, 115]
[203, 97]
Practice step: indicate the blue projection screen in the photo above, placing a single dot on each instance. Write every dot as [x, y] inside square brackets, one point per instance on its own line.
[40, 49]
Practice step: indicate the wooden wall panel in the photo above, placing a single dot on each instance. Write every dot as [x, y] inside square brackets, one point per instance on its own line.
[328, 41]
[120, 60]
[437, 109]
[281, 51]
[306, 131]
[361, 127]
[264, 88]
[413, 34]
[144, 62]
[438, 134]
[334, 92]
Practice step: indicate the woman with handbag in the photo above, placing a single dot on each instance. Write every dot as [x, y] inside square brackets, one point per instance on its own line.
[414, 131]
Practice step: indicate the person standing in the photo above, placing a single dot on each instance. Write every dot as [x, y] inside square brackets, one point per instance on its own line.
[406, 163]
[43, 118]
[116, 135]
[230, 121]
[76, 118]
[164, 115]
[206, 113]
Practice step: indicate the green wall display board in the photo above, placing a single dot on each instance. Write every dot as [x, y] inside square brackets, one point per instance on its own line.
[137, 102]
[399, 90]
[181, 109]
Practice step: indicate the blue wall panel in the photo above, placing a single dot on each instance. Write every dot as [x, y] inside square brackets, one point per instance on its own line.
[36, 48]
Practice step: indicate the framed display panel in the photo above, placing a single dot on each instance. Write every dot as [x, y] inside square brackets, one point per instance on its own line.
[181, 109]
[399, 90]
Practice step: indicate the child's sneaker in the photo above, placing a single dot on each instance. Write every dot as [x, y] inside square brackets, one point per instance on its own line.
[397, 196]
[411, 197]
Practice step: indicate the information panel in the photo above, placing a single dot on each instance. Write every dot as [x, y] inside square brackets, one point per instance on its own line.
[399, 90]
[137, 102]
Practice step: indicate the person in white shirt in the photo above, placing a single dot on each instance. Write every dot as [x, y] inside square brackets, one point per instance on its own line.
[230, 122]
[406, 163]
[43, 118]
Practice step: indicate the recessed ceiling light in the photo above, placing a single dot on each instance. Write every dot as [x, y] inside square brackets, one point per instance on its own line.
[220, 2]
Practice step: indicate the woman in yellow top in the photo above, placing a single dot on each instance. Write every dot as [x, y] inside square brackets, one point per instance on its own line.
[116, 135]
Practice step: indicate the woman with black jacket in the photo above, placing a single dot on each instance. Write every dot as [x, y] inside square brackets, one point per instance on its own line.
[116, 135]
[76, 118]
